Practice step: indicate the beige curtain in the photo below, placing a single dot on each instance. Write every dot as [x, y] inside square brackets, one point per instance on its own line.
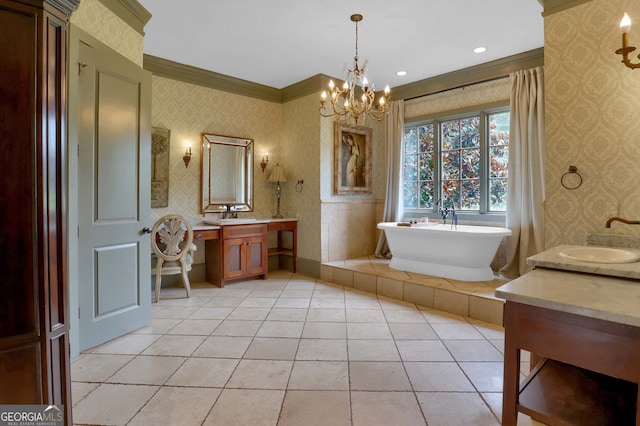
[394, 129]
[525, 197]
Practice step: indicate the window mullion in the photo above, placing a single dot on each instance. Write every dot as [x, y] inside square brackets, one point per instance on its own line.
[437, 164]
[484, 163]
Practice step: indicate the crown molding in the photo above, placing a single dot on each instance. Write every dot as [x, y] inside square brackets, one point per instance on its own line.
[65, 6]
[554, 6]
[188, 74]
[130, 11]
[313, 85]
[471, 75]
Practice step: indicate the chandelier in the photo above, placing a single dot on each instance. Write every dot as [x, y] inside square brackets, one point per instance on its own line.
[345, 105]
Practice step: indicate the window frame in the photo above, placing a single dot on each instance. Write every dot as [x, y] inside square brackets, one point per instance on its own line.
[482, 111]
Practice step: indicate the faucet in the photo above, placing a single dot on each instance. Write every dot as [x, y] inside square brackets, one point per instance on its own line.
[444, 211]
[619, 219]
[229, 214]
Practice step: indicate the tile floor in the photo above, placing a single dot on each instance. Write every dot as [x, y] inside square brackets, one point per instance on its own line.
[293, 351]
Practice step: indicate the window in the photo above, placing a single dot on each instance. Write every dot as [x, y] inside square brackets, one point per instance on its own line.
[462, 159]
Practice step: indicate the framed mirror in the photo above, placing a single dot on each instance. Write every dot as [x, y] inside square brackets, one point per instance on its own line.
[226, 173]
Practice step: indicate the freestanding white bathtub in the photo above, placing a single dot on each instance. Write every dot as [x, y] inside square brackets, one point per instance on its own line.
[461, 252]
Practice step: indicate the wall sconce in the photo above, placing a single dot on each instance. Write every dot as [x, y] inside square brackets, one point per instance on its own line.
[265, 161]
[187, 156]
[625, 27]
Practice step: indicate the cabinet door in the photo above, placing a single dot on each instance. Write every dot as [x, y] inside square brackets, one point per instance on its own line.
[234, 253]
[256, 255]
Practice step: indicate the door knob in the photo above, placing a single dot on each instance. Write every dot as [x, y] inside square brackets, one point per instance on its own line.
[146, 230]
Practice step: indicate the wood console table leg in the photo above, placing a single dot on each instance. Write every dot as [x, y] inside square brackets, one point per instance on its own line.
[511, 385]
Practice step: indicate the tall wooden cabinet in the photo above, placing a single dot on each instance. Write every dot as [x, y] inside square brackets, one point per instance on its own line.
[34, 347]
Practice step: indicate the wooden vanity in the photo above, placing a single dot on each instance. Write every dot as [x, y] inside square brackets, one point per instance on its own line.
[240, 251]
[583, 331]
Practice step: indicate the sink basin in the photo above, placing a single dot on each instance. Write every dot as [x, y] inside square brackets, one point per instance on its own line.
[600, 255]
[236, 221]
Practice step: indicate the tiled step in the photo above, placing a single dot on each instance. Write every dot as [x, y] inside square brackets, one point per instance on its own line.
[470, 299]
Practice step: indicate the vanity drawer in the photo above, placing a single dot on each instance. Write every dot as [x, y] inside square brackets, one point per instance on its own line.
[283, 226]
[209, 234]
[239, 231]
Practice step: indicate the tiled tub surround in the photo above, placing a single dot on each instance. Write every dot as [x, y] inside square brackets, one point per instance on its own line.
[470, 299]
[291, 351]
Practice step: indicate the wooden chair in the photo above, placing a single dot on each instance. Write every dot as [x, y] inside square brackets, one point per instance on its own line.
[173, 250]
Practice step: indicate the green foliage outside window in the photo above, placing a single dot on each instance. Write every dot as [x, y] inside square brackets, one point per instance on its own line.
[463, 151]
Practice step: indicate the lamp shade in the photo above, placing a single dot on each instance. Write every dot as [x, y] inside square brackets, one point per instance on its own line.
[277, 174]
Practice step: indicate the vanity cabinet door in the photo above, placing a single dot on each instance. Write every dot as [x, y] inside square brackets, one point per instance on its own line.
[234, 250]
[256, 252]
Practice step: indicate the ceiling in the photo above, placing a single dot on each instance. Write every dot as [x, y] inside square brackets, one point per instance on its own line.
[281, 42]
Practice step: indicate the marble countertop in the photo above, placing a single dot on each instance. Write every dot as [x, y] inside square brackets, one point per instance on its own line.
[607, 298]
[200, 225]
[552, 259]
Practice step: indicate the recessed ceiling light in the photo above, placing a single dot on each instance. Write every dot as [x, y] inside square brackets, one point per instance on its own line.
[480, 49]
[401, 73]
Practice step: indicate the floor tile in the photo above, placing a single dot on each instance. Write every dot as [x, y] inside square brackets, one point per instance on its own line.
[281, 329]
[97, 367]
[437, 377]
[195, 327]
[423, 350]
[147, 370]
[287, 314]
[129, 344]
[366, 315]
[272, 348]
[260, 374]
[246, 407]
[319, 375]
[385, 408]
[174, 345]
[159, 326]
[470, 409]
[368, 331]
[331, 315]
[208, 312]
[292, 350]
[112, 404]
[237, 328]
[473, 350]
[223, 347]
[250, 314]
[485, 376]
[462, 331]
[204, 372]
[373, 350]
[177, 406]
[378, 376]
[81, 389]
[322, 350]
[324, 330]
[315, 408]
[412, 331]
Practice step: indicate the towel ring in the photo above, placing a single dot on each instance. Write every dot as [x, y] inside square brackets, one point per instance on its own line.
[572, 170]
[299, 185]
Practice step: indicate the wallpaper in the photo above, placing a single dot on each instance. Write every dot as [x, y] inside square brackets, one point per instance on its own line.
[591, 116]
[187, 110]
[94, 18]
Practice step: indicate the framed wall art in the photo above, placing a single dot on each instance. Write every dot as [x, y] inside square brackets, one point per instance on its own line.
[352, 168]
[160, 144]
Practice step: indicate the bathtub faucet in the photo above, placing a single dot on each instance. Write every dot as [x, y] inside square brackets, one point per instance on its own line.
[445, 211]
